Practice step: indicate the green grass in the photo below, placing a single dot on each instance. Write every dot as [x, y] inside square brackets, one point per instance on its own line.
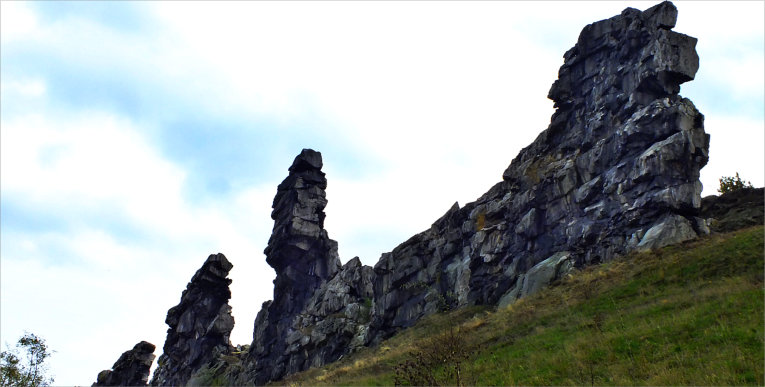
[690, 314]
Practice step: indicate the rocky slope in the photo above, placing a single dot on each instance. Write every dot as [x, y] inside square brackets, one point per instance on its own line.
[617, 170]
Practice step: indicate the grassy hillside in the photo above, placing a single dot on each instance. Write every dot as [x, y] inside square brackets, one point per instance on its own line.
[689, 314]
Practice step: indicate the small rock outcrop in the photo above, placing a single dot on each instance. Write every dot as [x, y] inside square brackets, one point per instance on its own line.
[734, 210]
[200, 325]
[131, 369]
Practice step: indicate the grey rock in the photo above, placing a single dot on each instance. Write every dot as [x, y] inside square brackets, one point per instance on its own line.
[538, 277]
[320, 310]
[545, 272]
[616, 170]
[734, 210]
[670, 230]
[131, 369]
[200, 325]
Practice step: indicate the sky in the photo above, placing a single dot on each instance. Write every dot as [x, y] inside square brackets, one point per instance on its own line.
[137, 138]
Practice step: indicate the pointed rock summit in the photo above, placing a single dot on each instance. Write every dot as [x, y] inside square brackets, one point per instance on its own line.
[299, 249]
[303, 257]
[131, 369]
[200, 325]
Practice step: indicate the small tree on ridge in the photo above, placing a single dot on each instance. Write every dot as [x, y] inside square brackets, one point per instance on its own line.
[15, 371]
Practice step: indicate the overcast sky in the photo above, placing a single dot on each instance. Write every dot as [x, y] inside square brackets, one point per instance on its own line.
[140, 137]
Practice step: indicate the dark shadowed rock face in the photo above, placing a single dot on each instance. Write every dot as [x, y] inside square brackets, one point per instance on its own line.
[200, 325]
[131, 369]
[299, 249]
[304, 259]
[617, 170]
[734, 210]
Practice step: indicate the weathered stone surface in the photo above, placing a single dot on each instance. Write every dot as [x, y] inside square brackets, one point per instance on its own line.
[131, 369]
[200, 325]
[538, 277]
[289, 333]
[673, 229]
[616, 170]
[734, 210]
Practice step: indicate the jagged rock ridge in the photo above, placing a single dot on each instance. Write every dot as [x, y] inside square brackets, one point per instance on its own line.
[131, 369]
[617, 170]
[200, 325]
[316, 310]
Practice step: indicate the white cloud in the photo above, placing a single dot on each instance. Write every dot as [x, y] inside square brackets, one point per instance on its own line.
[31, 88]
[84, 278]
[17, 21]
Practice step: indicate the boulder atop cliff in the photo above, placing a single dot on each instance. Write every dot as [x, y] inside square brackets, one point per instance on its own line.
[131, 369]
[200, 325]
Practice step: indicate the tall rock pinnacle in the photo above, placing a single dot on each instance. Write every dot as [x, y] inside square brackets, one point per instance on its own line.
[299, 248]
[200, 325]
[302, 255]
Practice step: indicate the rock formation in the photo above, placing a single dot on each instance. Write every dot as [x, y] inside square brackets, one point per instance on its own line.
[734, 210]
[616, 170]
[131, 369]
[304, 258]
[200, 325]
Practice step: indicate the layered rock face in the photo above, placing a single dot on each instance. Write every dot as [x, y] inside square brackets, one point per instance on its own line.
[131, 369]
[312, 313]
[200, 325]
[741, 208]
[616, 170]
